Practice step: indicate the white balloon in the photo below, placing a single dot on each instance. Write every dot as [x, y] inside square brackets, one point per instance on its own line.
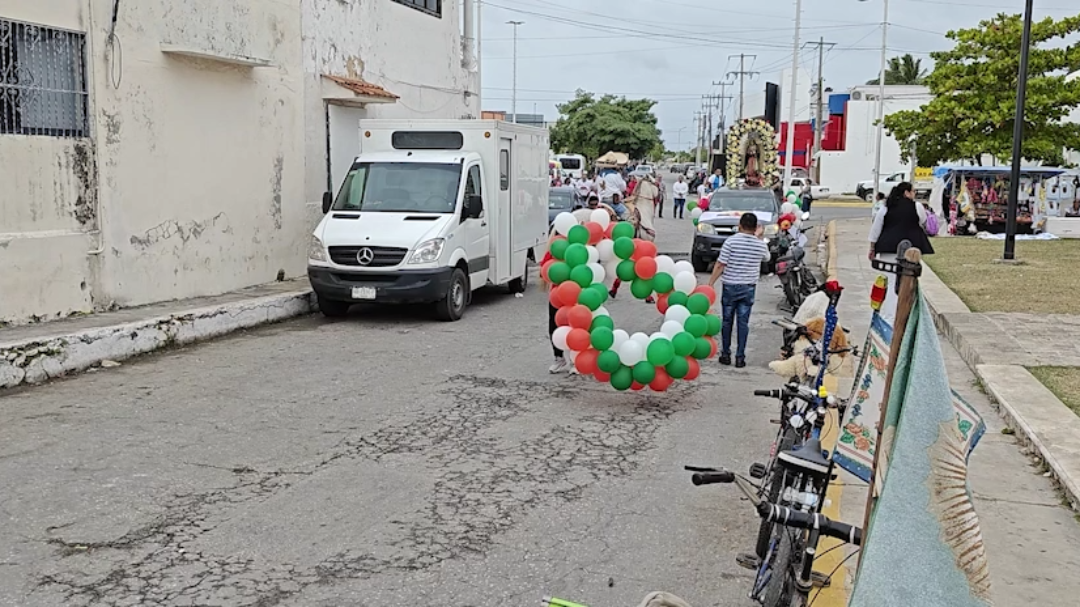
[598, 273]
[671, 328]
[601, 217]
[563, 222]
[665, 264]
[685, 282]
[594, 255]
[601, 311]
[641, 338]
[621, 337]
[696, 213]
[631, 353]
[558, 338]
[572, 355]
[657, 335]
[606, 249]
[677, 314]
[683, 266]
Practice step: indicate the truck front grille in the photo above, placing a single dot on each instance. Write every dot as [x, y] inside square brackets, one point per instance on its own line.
[382, 257]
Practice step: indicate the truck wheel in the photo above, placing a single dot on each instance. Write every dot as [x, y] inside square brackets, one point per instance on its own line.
[869, 196]
[518, 285]
[700, 265]
[333, 309]
[452, 307]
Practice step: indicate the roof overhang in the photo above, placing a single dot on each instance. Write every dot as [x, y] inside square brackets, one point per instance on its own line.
[354, 91]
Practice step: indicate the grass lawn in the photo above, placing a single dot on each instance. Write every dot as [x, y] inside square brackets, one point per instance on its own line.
[1047, 282]
[1064, 382]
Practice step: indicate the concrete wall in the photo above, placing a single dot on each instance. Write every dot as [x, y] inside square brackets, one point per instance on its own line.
[200, 176]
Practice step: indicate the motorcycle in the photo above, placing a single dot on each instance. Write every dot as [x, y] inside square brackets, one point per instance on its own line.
[788, 261]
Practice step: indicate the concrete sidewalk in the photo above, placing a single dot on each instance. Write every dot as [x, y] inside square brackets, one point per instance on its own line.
[1032, 538]
[32, 354]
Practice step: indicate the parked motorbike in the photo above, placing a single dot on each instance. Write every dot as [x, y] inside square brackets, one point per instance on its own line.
[788, 263]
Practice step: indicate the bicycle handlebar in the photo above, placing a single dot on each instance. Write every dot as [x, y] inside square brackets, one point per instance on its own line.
[789, 517]
[767, 393]
[709, 478]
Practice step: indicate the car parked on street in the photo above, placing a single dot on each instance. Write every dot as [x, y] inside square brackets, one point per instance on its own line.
[560, 200]
[802, 185]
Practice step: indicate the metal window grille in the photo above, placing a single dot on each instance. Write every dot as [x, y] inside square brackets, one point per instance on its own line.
[42, 81]
[431, 7]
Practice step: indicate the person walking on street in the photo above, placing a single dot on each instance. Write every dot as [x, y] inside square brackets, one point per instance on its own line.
[660, 200]
[679, 190]
[560, 364]
[900, 218]
[739, 267]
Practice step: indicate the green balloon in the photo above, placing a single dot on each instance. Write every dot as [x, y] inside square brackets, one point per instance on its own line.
[624, 247]
[691, 205]
[623, 229]
[601, 290]
[558, 248]
[697, 303]
[696, 325]
[559, 272]
[695, 221]
[589, 297]
[660, 352]
[608, 361]
[602, 338]
[678, 367]
[644, 372]
[684, 343]
[622, 378]
[625, 270]
[789, 193]
[714, 324]
[663, 283]
[602, 320]
[678, 298]
[578, 234]
[582, 275]
[577, 255]
[702, 348]
[641, 288]
[798, 203]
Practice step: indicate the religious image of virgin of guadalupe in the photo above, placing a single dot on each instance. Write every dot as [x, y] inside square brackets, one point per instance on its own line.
[753, 177]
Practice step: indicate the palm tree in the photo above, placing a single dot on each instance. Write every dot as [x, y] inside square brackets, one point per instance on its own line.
[903, 70]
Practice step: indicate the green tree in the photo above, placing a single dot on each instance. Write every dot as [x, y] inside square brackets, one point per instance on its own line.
[592, 126]
[903, 70]
[974, 87]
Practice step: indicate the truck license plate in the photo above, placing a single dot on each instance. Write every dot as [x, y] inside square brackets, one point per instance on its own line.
[363, 292]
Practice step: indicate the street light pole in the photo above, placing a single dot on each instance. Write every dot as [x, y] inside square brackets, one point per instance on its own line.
[1018, 137]
[881, 98]
[789, 155]
[513, 94]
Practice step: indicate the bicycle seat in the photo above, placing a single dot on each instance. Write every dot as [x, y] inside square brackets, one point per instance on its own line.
[807, 457]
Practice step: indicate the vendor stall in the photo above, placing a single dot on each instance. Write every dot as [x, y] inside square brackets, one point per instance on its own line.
[979, 196]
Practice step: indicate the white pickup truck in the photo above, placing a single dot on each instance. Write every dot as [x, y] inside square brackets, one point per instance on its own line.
[924, 182]
[817, 191]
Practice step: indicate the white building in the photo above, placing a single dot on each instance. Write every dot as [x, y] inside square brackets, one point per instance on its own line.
[181, 149]
[842, 170]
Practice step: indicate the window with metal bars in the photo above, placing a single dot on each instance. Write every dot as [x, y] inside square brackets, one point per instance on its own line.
[42, 81]
[431, 7]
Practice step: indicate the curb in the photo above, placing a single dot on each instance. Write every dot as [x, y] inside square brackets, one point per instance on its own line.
[32, 361]
[1041, 421]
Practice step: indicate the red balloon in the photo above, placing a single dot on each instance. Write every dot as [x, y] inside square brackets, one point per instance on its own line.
[578, 340]
[601, 376]
[707, 291]
[636, 386]
[608, 229]
[544, 270]
[562, 317]
[636, 255]
[568, 293]
[695, 368]
[553, 296]
[662, 381]
[596, 233]
[644, 248]
[662, 303]
[645, 267]
[579, 316]
[586, 361]
[714, 347]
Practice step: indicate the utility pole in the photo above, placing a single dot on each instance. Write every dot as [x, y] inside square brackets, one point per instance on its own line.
[699, 124]
[742, 74]
[513, 95]
[723, 97]
[1018, 138]
[789, 148]
[819, 125]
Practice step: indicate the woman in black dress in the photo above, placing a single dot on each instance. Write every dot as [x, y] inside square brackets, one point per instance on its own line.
[900, 218]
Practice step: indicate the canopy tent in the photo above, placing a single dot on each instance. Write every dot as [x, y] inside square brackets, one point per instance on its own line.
[616, 159]
[942, 171]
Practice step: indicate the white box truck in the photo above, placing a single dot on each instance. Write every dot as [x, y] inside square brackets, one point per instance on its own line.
[430, 211]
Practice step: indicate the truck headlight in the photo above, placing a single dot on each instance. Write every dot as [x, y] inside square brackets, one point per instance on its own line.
[771, 230]
[706, 228]
[316, 250]
[428, 251]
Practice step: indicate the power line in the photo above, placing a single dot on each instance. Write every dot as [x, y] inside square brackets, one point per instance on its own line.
[742, 74]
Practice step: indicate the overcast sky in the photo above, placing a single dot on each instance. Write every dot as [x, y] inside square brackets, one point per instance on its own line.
[673, 50]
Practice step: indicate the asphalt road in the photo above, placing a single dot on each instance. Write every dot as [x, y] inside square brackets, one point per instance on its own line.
[383, 459]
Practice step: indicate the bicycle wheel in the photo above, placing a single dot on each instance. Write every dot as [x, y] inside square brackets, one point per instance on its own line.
[776, 484]
[781, 590]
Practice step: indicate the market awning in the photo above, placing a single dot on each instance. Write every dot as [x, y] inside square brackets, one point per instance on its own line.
[354, 91]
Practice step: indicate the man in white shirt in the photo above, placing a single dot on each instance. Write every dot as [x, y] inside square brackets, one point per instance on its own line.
[739, 267]
[679, 190]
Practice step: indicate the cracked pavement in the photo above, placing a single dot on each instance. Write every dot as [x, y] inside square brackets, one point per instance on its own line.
[386, 459]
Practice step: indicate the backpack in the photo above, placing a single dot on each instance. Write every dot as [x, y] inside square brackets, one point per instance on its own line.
[932, 224]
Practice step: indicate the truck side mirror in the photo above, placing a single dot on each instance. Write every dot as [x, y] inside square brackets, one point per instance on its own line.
[474, 206]
[327, 201]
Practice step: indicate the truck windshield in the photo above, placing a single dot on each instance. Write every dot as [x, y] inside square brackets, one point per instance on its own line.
[735, 202]
[406, 187]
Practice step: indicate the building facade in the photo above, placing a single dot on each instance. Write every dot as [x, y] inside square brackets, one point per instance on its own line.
[178, 149]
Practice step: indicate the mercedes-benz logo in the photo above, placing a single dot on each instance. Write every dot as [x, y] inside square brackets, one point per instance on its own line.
[365, 256]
